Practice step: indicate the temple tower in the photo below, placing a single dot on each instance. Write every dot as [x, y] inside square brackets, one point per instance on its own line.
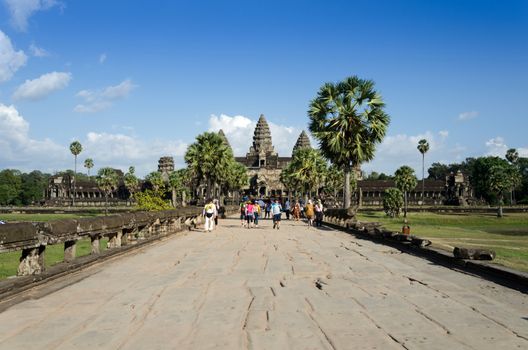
[302, 142]
[165, 167]
[262, 139]
[224, 138]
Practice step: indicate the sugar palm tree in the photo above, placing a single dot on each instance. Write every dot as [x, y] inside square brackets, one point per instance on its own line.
[76, 149]
[107, 180]
[513, 157]
[348, 120]
[88, 164]
[131, 181]
[208, 158]
[423, 147]
[405, 181]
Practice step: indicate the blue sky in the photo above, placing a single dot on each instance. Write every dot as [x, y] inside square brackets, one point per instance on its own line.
[137, 80]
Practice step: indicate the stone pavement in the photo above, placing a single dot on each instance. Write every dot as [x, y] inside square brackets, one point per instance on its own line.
[297, 288]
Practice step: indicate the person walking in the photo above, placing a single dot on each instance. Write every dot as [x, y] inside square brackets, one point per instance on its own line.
[296, 211]
[318, 213]
[287, 209]
[249, 214]
[309, 212]
[217, 206]
[276, 210]
[256, 212]
[209, 212]
[267, 209]
[242, 213]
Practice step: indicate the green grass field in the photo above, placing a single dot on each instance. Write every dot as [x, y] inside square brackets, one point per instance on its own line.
[54, 253]
[508, 236]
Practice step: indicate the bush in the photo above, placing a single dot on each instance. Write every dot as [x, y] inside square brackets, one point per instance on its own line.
[392, 202]
[150, 200]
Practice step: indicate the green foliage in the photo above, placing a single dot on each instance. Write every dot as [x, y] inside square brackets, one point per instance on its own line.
[392, 202]
[512, 155]
[88, 164]
[405, 179]
[480, 177]
[131, 181]
[33, 186]
[423, 146]
[502, 178]
[151, 200]
[75, 148]
[18, 188]
[10, 187]
[306, 171]
[107, 180]
[348, 120]
[156, 180]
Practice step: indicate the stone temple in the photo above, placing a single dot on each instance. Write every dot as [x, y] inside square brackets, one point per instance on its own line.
[264, 164]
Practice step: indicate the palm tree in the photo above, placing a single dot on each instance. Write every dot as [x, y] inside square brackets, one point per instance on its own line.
[88, 164]
[76, 149]
[131, 181]
[178, 181]
[513, 157]
[208, 158]
[423, 147]
[405, 182]
[306, 171]
[107, 180]
[348, 120]
[156, 180]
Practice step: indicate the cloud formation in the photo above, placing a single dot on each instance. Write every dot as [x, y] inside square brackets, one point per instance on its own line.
[239, 131]
[99, 100]
[18, 149]
[468, 115]
[21, 10]
[10, 60]
[38, 51]
[43, 86]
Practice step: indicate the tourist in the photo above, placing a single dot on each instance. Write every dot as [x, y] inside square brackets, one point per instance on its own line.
[250, 208]
[242, 213]
[318, 213]
[209, 213]
[267, 209]
[276, 210]
[256, 212]
[296, 211]
[309, 212]
[287, 209]
[217, 206]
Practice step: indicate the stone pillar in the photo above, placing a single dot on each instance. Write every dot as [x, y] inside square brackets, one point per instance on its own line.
[112, 237]
[31, 261]
[70, 248]
[95, 244]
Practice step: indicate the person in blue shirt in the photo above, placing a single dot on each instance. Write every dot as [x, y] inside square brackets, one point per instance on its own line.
[287, 209]
[276, 210]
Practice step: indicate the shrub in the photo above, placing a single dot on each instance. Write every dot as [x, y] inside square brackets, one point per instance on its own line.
[392, 202]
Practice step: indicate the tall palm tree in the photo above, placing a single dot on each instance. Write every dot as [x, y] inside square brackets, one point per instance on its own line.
[423, 147]
[131, 181]
[405, 181]
[307, 171]
[107, 180]
[348, 120]
[88, 164]
[208, 158]
[513, 157]
[76, 149]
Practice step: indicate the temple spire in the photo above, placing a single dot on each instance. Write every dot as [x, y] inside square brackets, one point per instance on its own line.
[262, 137]
[224, 138]
[302, 142]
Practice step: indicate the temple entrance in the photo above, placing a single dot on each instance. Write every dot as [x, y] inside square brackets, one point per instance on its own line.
[262, 191]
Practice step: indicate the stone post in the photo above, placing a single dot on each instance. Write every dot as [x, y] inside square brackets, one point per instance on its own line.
[70, 248]
[95, 244]
[31, 261]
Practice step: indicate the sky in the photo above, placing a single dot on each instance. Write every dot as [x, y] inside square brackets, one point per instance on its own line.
[137, 80]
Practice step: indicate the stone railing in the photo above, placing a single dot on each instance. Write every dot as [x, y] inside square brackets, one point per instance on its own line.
[121, 230]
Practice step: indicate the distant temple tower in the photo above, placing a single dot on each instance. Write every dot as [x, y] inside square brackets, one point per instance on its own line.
[302, 142]
[165, 167]
[224, 138]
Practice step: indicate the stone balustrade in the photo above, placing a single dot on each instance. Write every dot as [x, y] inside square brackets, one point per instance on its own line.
[121, 229]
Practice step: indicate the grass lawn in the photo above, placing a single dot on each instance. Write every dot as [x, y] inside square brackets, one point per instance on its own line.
[507, 236]
[54, 253]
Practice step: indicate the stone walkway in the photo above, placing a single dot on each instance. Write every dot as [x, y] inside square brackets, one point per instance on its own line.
[295, 288]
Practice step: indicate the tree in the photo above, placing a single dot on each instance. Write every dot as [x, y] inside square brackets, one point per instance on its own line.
[178, 183]
[88, 164]
[513, 157]
[75, 149]
[405, 181]
[237, 177]
[392, 202]
[156, 180]
[131, 181]
[107, 180]
[208, 158]
[306, 171]
[348, 120]
[33, 187]
[10, 187]
[423, 147]
[502, 178]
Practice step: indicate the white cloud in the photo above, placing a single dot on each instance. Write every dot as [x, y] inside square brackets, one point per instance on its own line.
[102, 58]
[38, 51]
[21, 10]
[121, 151]
[496, 147]
[468, 115]
[98, 100]
[443, 133]
[43, 86]
[19, 150]
[10, 60]
[239, 131]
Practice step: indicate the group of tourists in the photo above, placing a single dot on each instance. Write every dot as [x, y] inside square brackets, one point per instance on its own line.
[252, 210]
